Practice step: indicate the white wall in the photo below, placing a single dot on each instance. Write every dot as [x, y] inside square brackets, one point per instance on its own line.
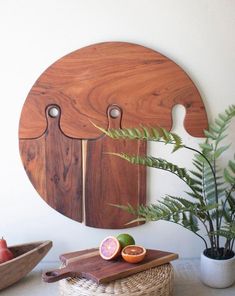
[198, 35]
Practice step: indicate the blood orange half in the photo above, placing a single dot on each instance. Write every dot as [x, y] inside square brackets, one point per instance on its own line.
[109, 248]
[133, 253]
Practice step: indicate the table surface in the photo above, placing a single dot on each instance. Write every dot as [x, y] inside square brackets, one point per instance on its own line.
[186, 283]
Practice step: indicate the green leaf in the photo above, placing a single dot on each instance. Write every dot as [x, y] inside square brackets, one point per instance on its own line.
[228, 178]
[231, 165]
[166, 135]
[220, 138]
[206, 146]
[155, 133]
[138, 133]
[219, 122]
[186, 203]
[231, 202]
[196, 174]
[209, 135]
[214, 128]
[222, 117]
[194, 195]
[210, 207]
[220, 150]
[146, 132]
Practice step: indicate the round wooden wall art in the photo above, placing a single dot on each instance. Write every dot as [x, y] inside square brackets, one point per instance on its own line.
[111, 84]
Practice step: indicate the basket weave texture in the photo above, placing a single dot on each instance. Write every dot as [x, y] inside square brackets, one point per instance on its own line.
[156, 281]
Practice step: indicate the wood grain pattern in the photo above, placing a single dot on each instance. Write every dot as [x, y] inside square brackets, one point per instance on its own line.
[144, 83]
[102, 271]
[111, 180]
[26, 257]
[33, 156]
[53, 163]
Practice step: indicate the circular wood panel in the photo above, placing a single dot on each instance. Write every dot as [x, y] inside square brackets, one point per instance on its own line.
[142, 82]
[139, 86]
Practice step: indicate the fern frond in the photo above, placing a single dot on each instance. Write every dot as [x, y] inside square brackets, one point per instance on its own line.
[231, 201]
[144, 133]
[216, 133]
[165, 165]
[227, 231]
[229, 172]
[228, 176]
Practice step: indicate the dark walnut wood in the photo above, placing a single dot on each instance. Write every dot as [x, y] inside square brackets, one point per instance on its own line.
[53, 163]
[111, 180]
[90, 265]
[144, 83]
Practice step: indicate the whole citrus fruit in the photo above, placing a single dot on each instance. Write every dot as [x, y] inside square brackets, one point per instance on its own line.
[133, 254]
[125, 240]
[109, 248]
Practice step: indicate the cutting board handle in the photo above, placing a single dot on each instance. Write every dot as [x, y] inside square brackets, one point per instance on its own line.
[57, 274]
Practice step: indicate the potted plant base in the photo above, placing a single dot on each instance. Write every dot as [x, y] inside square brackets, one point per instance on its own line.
[217, 273]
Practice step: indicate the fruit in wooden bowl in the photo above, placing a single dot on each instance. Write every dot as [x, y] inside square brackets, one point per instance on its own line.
[5, 253]
[133, 253]
[26, 257]
[110, 248]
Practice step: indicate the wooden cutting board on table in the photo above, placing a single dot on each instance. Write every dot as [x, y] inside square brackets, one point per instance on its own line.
[64, 154]
[90, 265]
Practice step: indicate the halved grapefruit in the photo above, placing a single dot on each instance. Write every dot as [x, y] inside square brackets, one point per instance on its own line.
[133, 253]
[109, 248]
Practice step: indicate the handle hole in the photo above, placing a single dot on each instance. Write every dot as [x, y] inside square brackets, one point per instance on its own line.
[51, 273]
[54, 112]
[114, 112]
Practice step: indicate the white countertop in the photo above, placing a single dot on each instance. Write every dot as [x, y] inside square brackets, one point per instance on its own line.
[187, 282]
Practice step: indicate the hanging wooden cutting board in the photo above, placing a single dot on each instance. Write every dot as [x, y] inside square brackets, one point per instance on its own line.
[144, 84]
[110, 180]
[90, 265]
[53, 163]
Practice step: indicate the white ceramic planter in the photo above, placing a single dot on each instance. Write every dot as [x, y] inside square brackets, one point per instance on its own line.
[217, 273]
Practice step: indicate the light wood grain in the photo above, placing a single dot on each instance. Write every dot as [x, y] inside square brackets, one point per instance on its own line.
[81, 257]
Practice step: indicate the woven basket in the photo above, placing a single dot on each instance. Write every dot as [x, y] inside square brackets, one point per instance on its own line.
[156, 281]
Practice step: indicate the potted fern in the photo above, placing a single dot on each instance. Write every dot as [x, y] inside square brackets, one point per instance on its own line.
[211, 202]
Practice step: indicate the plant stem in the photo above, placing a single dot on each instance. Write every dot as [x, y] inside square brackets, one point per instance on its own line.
[232, 244]
[202, 239]
[217, 210]
[211, 236]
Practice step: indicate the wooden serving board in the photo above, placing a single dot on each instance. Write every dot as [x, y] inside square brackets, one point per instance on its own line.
[53, 163]
[143, 84]
[111, 180]
[90, 265]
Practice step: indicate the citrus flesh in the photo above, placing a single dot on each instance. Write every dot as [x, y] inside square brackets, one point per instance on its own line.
[133, 253]
[109, 248]
[125, 240]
